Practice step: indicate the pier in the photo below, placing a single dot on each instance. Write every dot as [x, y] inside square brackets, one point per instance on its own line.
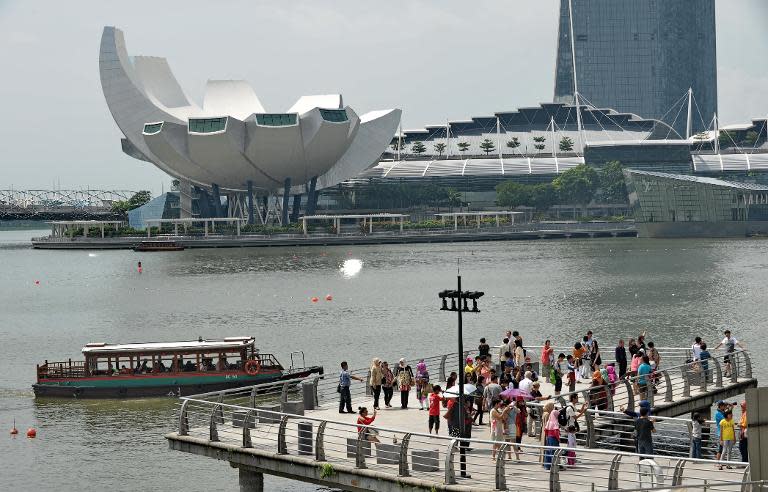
[293, 430]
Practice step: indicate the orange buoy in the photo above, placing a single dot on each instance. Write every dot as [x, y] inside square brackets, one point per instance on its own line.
[329, 297]
[31, 433]
[315, 299]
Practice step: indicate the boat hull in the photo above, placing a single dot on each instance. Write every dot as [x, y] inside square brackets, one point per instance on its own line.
[151, 385]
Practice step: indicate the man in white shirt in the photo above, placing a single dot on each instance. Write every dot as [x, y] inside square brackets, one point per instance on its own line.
[730, 343]
[526, 383]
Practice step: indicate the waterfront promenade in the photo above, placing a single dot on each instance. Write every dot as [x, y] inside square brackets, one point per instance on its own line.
[290, 431]
[529, 231]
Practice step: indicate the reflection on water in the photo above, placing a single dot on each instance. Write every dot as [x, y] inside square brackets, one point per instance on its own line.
[544, 289]
[351, 267]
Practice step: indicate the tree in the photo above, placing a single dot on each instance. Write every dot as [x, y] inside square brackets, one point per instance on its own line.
[539, 145]
[440, 148]
[612, 186]
[398, 144]
[487, 146]
[453, 196]
[513, 143]
[577, 185]
[751, 137]
[418, 148]
[543, 196]
[463, 146]
[566, 144]
[727, 138]
[511, 194]
[139, 199]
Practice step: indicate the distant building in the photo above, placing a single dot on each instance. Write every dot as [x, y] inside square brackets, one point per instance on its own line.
[640, 56]
[675, 205]
[165, 206]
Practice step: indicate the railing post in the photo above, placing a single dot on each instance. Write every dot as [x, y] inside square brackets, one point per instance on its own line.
[319, 444]
[613, 473]
[368, 389]
[677, 476]
[403, 460]
[360, 450]
[689, 425]
[284, 393]
[501, 478]
[686, 372]
[213, 432]
[650, 389]
[668, 383]
[630, 395]
[704, 379]
[252, 400]
[316, 383]
[282, 447]
[734, 368]
[450, 472]
[184, 419]
[442, 375]
[609, 396]
[745, 479]
[747, 365]
[718, 373]
[590, 418]
[554, 471]
[251, 415]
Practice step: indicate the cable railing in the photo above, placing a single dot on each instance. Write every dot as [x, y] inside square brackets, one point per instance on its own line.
[444, 460]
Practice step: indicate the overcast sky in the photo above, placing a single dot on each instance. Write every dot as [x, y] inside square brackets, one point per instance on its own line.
[436, 60]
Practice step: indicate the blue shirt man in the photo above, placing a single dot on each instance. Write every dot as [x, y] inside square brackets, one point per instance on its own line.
[719, 415]
[642, 371]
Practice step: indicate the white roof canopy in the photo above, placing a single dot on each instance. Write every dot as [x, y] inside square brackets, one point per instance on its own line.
[231, 343]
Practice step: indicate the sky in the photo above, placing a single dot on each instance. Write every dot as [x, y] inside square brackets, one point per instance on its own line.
[436, 60]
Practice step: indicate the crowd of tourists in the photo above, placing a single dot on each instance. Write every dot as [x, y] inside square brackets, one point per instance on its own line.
[501, 382]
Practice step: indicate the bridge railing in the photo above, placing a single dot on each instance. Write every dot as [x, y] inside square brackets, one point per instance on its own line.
[445, 460]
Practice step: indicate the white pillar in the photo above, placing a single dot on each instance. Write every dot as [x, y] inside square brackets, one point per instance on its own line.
[237, 224]
[497, 220]
[149, 229]
[479, 218]
[455, 222]
[401, 224]
[370, 226]
[102, 230]
[205, 227]
[338, 226]
[304, 225]
[175, 228]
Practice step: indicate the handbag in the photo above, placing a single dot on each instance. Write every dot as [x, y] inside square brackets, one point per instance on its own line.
[338, 388]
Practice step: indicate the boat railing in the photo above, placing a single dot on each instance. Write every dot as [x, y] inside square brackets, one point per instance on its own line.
[61, 370]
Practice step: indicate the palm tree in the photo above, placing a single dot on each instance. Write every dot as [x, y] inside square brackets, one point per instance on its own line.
[539, 145]
[463, 146]
[440, 148]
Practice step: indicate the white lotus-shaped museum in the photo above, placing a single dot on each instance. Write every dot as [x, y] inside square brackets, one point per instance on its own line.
[231, 140]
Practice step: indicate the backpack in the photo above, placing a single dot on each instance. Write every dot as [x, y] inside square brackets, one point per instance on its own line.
[562, 418]
[553, 376]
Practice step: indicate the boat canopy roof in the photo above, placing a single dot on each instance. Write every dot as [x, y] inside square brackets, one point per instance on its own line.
[200, 345]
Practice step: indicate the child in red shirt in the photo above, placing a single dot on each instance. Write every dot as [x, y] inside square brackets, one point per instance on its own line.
[434, 408]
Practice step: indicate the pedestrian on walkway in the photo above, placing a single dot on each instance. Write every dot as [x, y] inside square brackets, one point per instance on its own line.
[571, 439]
[405, 380]
[547, 359]
[698, 422]
[451, 381]
[560, 372]
[729, 343]
[484, 350]
[479, 400]
[621, 359]
[375, 381]
[434, 408]
[727, 436]
[345, 397]
[497, 425]
[743, 447]
[422, 383]
[366, 433]
[387, 383]
[643, 377]
[551, 437]
[644, 429]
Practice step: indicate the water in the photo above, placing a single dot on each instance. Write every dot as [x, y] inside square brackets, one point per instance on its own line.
[384, 304]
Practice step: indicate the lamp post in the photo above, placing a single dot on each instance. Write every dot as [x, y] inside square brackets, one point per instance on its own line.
[459, 300]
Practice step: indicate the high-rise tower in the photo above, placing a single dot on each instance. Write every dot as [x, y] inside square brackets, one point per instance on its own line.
[640, 56]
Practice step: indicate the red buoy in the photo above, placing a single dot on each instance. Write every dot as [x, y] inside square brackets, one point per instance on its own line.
[139, 267]
[329, 297]
[315, 299]
[37, 282]
[31, 433]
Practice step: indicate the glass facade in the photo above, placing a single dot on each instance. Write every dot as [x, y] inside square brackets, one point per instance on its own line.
[640, 56]
[152, 128]
[334, 115]
[207, 125]
[288, 119]
[661, 197]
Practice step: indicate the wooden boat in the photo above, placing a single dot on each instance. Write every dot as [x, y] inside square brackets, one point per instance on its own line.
[159, 246]
[163, 369]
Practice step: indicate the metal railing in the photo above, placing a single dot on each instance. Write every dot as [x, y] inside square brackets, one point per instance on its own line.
[445, 460]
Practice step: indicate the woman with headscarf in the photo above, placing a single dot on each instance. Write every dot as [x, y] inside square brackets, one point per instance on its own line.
[612, 377]
[597, 392]
[422, 383]
[404, 380]
[551, 436]
[387, 383]
[375, 380]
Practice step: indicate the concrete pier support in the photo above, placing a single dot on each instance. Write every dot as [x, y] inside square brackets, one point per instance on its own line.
[286, 200]
[250, 480]
[185, 199]
[216, 194]
[203, 203]
[312, 196]
[251, 217]
[296, 208]
[757, 430]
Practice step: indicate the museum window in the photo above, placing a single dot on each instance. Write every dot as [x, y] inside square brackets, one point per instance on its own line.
[153, 128]
[276, 119]
[207, 125]
[334, 115]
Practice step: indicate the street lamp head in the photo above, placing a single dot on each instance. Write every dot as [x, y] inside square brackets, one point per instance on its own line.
[443, 295]
[475, 296]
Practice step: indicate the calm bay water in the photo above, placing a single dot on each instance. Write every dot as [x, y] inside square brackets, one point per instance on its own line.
[384, 304]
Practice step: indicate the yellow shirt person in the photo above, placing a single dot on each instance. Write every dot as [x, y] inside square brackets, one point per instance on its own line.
[727, 432]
